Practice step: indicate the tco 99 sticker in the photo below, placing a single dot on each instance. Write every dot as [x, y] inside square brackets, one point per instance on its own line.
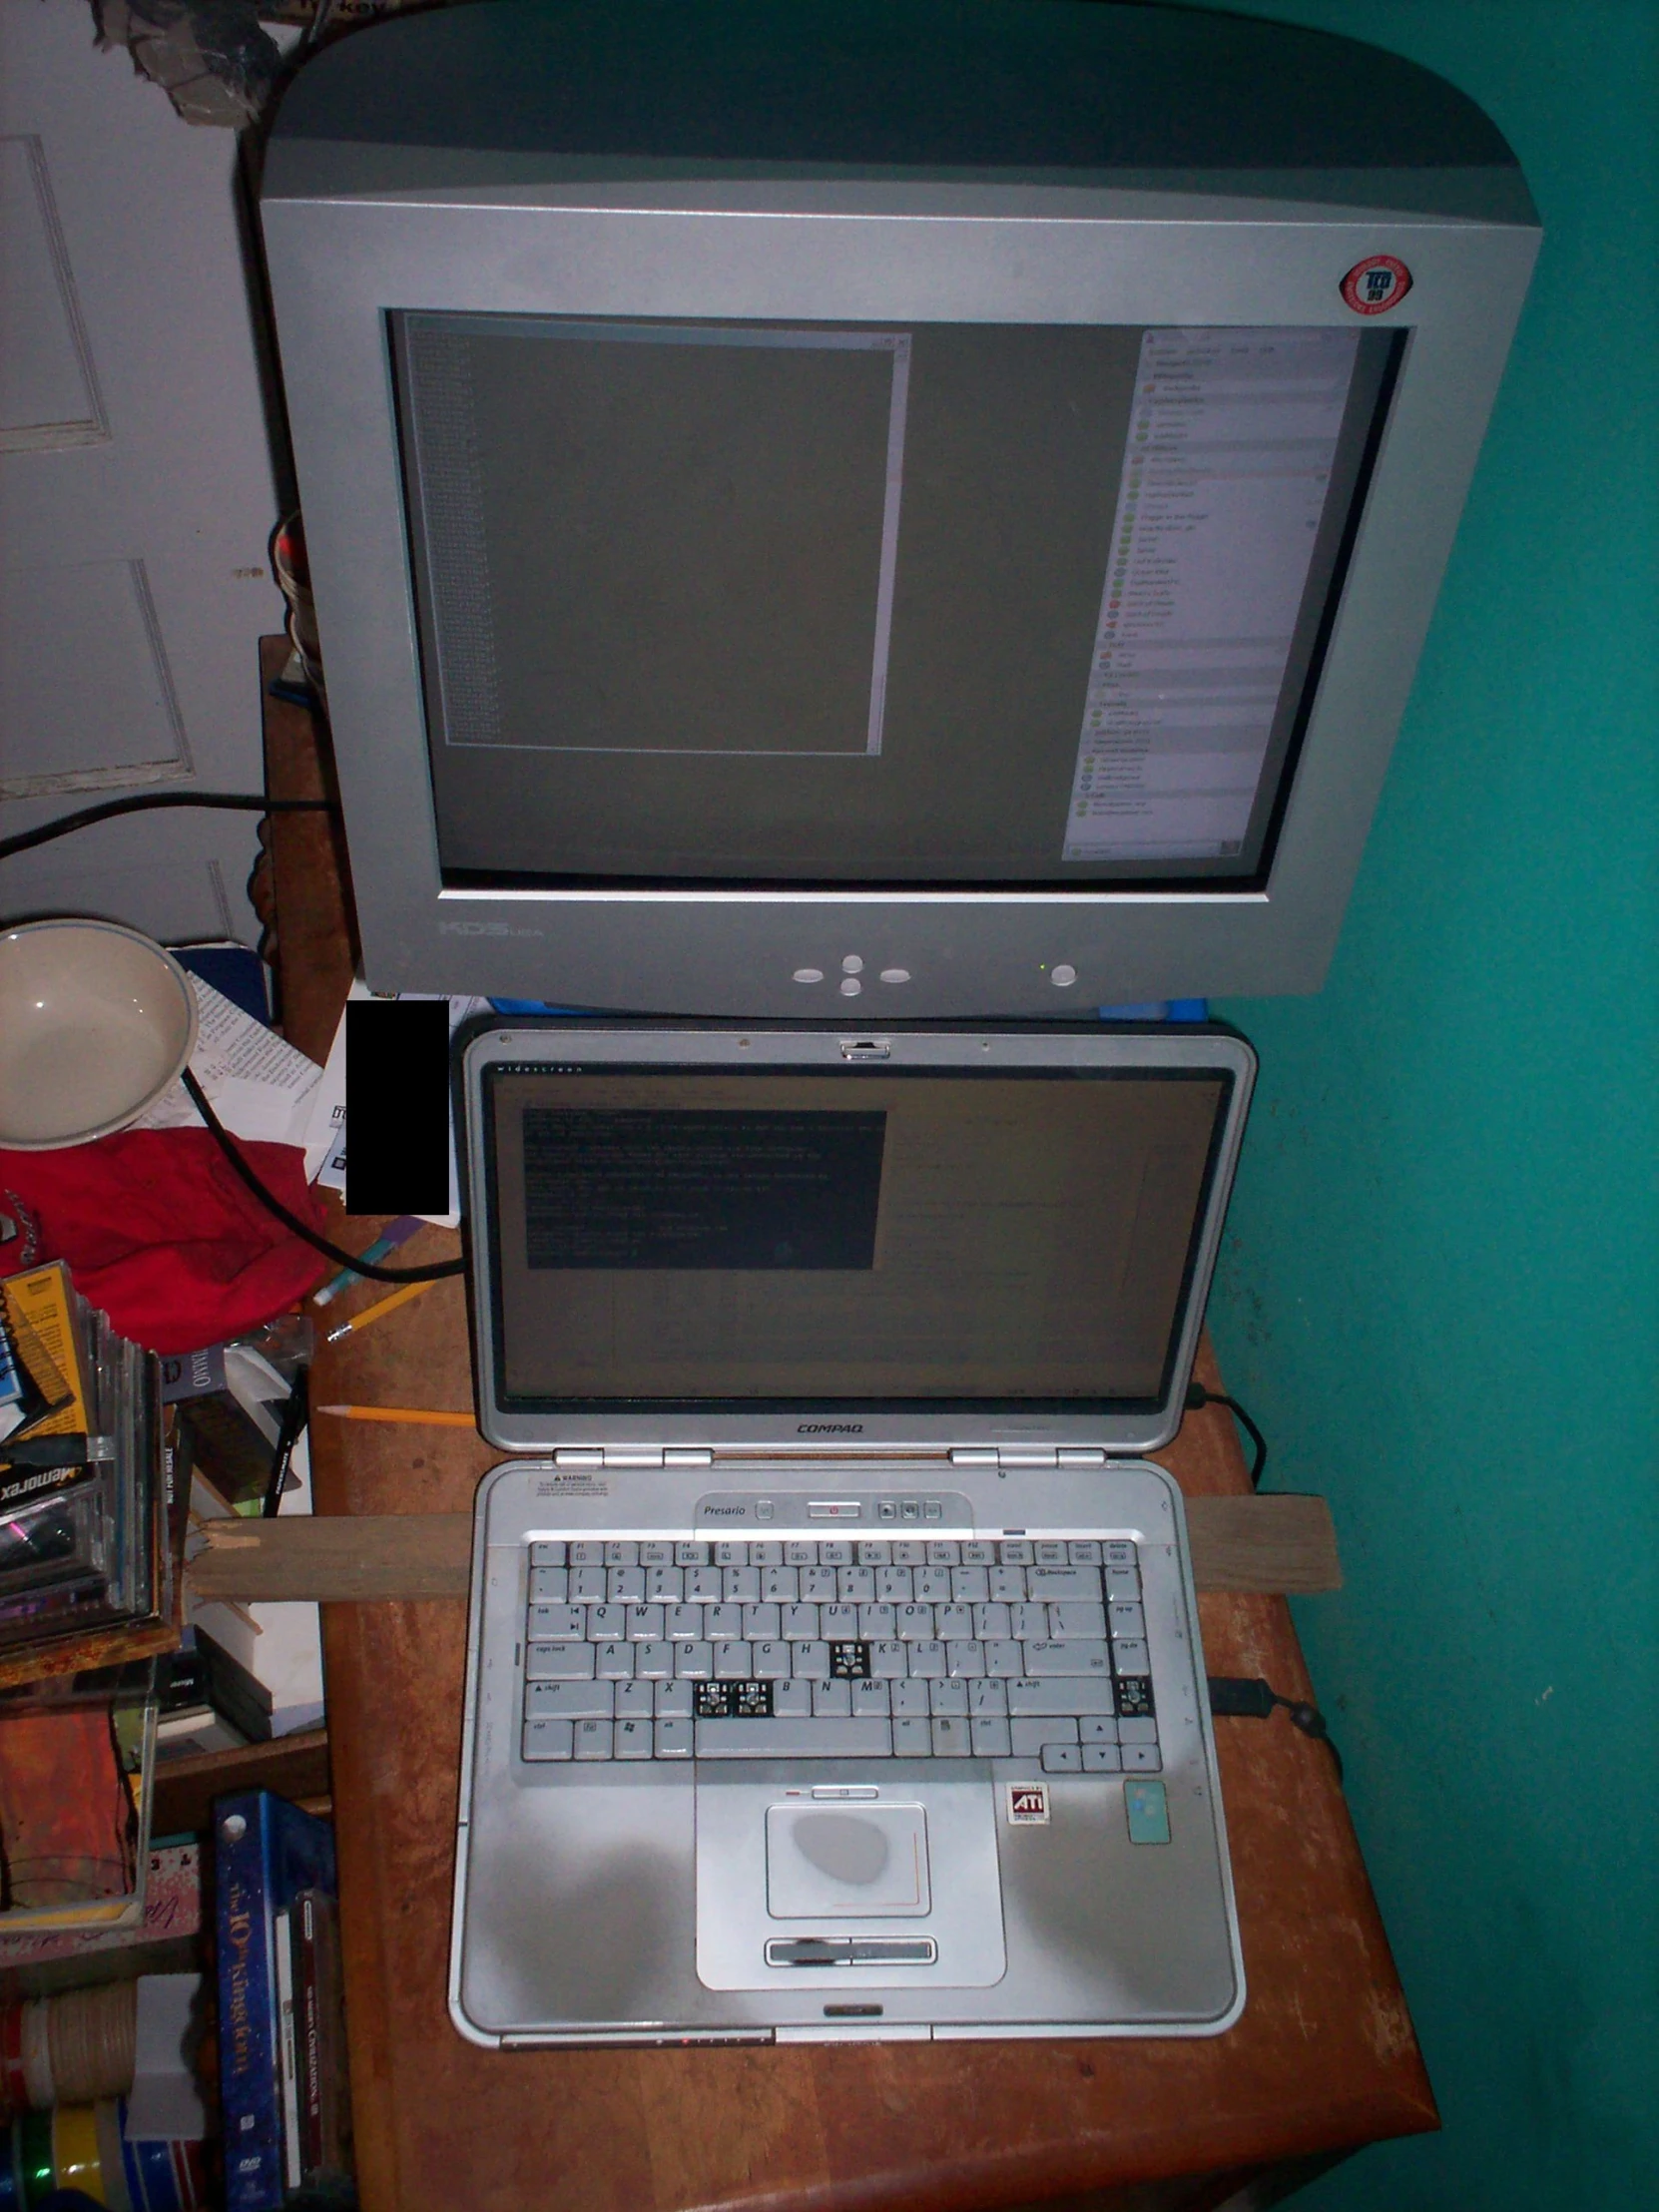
[1377, 283]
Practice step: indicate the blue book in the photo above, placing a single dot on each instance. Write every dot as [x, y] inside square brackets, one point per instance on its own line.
[265, 1851]
[234, 972]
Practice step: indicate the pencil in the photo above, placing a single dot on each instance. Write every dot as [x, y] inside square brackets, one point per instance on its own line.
[373, 1312]
[403, 1412]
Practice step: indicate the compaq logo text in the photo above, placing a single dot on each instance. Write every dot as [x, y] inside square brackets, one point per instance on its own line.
[829, 1428]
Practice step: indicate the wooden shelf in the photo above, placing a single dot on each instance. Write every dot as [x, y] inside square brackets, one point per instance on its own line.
[293, 1766]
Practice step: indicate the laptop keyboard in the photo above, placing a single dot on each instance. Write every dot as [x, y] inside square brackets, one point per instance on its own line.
[865, 1649]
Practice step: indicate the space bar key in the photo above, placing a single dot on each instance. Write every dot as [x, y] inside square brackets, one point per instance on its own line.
[791, 1739]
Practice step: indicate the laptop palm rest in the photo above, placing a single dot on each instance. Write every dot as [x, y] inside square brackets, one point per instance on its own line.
[825, 1880]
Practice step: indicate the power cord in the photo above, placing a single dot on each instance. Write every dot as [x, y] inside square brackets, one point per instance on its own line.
[1197, 1395]
[273, 1203]
[1246, 1697]
[140, 802]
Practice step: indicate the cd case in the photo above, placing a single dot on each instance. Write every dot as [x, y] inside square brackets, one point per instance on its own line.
[87, 1543]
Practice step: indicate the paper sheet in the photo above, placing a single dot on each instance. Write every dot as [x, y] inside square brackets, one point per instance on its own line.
[259, 1086]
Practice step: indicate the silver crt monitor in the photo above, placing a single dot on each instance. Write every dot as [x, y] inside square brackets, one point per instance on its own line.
[834, 1666]
[933, 504]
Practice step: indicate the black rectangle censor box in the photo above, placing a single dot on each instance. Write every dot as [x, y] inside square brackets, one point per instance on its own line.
[398, 1106]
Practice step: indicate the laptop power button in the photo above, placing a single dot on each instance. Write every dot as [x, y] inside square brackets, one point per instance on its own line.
[833, 1509]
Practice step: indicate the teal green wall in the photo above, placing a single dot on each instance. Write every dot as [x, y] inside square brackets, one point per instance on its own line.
[1438, 1293]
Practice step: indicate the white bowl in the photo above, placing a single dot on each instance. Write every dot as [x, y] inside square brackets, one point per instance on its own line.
[94, 1022]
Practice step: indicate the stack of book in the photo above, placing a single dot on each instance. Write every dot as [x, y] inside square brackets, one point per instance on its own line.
[207, 1702]
[284, 2090]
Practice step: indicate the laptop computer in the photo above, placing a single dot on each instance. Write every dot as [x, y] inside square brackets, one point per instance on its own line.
[833, 1666]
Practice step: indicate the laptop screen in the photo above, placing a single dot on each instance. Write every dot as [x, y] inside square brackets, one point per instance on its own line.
[891, 1239]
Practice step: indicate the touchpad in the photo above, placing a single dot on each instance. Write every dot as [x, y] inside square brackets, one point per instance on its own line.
[854, 1863]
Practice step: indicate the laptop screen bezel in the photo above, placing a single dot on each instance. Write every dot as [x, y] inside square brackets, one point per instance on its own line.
[849, 1423]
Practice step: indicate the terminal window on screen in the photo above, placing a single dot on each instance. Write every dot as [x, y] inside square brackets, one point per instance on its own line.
[674, 1188]
[664, 1236]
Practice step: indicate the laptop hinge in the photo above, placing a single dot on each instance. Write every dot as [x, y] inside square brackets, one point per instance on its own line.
[1027, 1455]
[626, 1455]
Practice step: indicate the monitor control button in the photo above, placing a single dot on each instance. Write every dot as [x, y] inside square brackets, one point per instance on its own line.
[852, 965]
[895, 975]
[808, 975]
[850, 986]
[1064, 976]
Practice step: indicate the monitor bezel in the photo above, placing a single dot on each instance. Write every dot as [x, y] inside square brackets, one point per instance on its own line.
[340, 261]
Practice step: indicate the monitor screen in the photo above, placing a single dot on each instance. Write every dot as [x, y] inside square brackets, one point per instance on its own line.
[860, 604]
[897, 1240]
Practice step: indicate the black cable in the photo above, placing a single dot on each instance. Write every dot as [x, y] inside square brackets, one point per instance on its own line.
[358, 1266]
[1248, 1697]
[138, 801]
[1197, 1395]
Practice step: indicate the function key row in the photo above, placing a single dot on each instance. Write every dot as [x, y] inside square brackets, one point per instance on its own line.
[898, 1551]
[843, 1586]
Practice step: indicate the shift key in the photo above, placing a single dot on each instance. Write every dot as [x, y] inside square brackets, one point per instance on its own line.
[568, 1701]
[1068, 1658]
[1052, 1699]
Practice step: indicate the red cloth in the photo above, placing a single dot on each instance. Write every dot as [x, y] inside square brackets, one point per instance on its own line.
[158, 1231]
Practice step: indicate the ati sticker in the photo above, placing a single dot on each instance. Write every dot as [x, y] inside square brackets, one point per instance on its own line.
[1377, 283]
[1028, 1804]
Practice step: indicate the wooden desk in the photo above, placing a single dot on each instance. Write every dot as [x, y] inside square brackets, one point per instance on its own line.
[1322, 2061]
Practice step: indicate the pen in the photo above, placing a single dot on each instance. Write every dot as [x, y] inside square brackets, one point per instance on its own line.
[373, 1312]
[386, 1243]
[401, 1412]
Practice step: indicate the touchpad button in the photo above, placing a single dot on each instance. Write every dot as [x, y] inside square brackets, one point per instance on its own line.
[827, 1862]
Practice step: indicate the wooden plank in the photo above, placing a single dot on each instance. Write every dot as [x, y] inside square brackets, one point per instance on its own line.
[336, 1557]
[1272, 1545]
[1279, 1545]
